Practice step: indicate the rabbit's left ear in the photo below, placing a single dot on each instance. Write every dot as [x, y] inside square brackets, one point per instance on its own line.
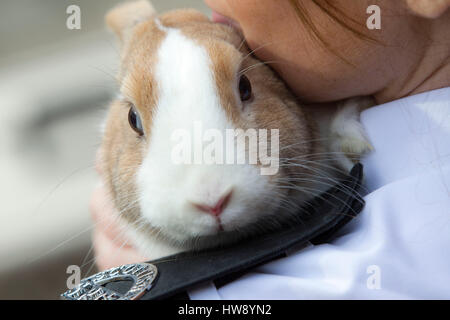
[125, 16]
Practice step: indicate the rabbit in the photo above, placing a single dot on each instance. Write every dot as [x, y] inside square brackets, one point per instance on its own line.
[178, 70]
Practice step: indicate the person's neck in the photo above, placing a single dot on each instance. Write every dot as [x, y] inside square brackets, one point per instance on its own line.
[430, 70]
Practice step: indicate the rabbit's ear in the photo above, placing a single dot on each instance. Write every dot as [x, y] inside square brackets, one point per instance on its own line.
[125, 16]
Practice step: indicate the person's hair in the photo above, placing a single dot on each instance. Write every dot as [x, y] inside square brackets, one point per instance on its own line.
[336, 14]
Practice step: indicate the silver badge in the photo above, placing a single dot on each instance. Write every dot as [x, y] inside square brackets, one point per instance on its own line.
[92, 288]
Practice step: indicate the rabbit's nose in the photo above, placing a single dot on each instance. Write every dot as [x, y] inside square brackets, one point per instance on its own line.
[218, 208]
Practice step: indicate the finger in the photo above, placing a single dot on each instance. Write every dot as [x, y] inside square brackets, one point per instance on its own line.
[109, 254]
[105, 216]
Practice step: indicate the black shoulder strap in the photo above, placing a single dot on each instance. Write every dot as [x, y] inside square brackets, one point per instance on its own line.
[171, 276]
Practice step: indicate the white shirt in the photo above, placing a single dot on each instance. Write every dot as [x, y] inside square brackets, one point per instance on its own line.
[399, 246]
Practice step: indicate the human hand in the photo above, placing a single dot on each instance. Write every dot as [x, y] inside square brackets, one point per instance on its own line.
[111, 247]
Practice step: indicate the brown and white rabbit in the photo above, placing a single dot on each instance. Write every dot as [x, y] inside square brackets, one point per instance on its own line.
[179, 69]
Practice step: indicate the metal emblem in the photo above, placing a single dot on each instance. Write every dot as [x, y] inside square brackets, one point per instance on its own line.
[93, 287]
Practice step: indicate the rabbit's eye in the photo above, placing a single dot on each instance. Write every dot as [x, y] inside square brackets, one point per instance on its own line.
[135, 121]
[245, 88]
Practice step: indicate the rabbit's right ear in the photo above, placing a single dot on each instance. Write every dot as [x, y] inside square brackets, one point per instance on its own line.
[125, 16]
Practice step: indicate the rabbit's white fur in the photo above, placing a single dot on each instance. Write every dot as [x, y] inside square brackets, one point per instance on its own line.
[179, 69]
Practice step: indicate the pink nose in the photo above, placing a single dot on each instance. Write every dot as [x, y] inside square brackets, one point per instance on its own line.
[218, 208]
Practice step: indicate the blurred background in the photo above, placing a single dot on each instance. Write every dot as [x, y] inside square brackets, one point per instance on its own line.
[55, 85]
